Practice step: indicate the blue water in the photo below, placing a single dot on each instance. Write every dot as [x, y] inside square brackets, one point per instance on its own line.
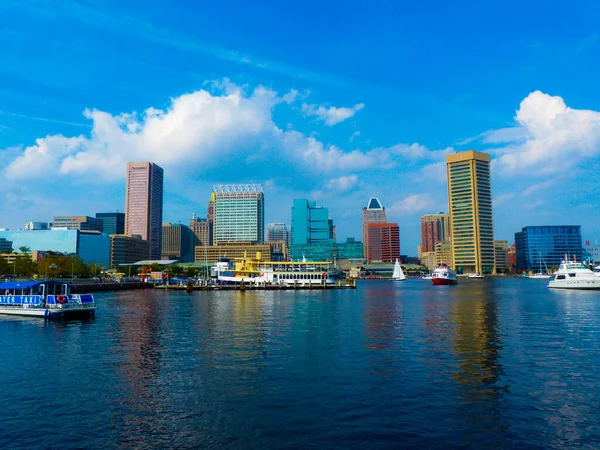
[494, 364]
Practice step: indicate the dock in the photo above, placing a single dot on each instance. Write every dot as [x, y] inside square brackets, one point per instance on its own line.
[349, 284]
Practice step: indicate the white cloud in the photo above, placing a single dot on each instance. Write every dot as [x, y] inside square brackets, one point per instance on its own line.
[413, 204]
[556, 137]
[331, 115]
[354, 136]
[343, 184]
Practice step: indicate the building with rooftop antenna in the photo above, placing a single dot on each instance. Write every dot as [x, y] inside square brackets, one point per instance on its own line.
[373, 213]
[239, 213]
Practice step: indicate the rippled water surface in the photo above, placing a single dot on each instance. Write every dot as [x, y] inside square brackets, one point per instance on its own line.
[494, 363]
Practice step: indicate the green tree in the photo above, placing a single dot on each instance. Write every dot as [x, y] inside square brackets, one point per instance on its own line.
[24, 249]
[4, 267]
[24, 266]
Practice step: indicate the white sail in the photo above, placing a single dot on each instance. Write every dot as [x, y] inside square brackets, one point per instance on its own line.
[398, 274]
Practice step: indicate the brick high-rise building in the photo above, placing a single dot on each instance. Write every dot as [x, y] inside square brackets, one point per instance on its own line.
[434, 228]
[373, 213]
[384, 242]
[144, 204]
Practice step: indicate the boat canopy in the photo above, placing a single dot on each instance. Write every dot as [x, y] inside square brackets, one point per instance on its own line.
[25, 284]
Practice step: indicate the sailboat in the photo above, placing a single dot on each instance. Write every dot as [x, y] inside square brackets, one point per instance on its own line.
[541, 273]
[398, 275]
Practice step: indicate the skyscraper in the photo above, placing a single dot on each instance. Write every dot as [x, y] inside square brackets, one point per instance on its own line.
[310, 223]
[144, 204]
[434, 228]
[239, 213]
[177, 242]
[470, 205]
[113, 222]
[278, 232]
[202, 231]
[384, 242]
[373, 213]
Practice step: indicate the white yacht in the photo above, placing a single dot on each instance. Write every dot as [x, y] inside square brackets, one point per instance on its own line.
[574, 275]
[597, 271]
[475, 276]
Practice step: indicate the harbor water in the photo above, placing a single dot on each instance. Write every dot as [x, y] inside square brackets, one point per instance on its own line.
[498, 363]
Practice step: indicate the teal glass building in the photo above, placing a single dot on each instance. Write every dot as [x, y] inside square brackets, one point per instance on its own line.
[310, 223]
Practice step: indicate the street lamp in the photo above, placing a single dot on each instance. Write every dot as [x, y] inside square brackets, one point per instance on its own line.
[52, 266]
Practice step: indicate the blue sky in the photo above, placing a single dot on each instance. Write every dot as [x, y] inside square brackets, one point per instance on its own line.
[335, 102]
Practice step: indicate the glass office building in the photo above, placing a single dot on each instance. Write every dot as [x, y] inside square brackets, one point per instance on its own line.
[239, 213]
[547, 245]
[350, 249]
[91, 247]
[310, 224]
[112, 222]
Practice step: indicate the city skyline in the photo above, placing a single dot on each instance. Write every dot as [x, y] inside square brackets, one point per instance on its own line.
[320, 127]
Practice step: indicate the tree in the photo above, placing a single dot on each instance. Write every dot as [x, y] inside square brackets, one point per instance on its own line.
[24, 249]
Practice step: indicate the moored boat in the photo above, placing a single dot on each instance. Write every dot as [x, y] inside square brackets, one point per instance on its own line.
[574, 275]
[255, 271]
[49, 299]
[443, 275]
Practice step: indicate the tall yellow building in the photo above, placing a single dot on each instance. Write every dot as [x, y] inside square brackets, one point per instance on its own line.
[470, 205]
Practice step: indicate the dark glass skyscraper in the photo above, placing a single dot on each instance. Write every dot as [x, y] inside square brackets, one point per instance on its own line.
[113, 222]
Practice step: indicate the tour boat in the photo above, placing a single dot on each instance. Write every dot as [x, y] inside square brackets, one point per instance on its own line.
[255, 271]
[49, 299]
[398, 275]
[443, 275]
[574, 275]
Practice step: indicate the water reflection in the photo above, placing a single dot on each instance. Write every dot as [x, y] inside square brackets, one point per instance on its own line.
[477, 345]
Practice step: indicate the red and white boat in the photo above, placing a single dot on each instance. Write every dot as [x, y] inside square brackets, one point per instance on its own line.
[443, 275]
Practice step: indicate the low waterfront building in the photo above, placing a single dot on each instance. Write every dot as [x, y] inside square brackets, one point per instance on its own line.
[349, 250]
[501, 255]
[112, 222]
[549, 245]
[82, 223]
[428, 260]
[591, 253]
[89, 246]
[127, 249]
[212, 253]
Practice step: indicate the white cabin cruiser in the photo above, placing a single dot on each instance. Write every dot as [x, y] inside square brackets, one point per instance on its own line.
[574, 275]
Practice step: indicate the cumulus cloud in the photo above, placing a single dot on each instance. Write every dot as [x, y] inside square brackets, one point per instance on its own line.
[551, 137]
[197, 131]
[343, 183]
[331, 115]
[413, 204]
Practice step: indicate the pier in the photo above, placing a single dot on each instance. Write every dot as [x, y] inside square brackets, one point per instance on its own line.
[348, 284]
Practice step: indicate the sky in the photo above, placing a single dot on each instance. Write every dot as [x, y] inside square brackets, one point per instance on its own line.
[334, 101]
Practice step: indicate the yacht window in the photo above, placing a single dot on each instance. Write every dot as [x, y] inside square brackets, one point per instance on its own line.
[560, 277]
[571, 275]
